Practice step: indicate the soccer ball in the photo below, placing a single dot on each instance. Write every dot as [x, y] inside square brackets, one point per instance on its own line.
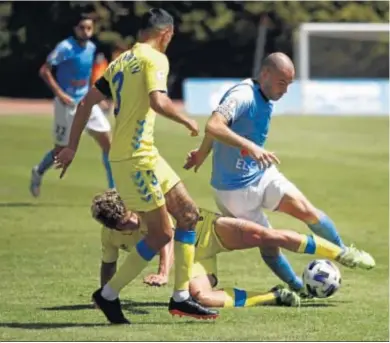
[321, 278]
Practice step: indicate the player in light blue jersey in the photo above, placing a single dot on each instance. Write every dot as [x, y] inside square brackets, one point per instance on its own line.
[73, 60]
[244, 177]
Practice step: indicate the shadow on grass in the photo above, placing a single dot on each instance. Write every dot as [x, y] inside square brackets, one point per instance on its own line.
[324, 303]
[133, 307]
[41, 204]
[45, 326]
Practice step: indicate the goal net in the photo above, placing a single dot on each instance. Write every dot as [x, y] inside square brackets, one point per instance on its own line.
[339, 64]
[343, 50]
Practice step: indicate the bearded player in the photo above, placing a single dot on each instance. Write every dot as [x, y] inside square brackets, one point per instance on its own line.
[73, 59]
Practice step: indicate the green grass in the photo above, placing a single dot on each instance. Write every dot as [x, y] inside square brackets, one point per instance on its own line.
[50, 253]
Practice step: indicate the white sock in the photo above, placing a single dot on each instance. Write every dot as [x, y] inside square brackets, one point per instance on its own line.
[108, 293]
[180, 296]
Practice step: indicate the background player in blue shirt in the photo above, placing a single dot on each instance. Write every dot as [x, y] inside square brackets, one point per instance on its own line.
[244, 177]
[73, 60]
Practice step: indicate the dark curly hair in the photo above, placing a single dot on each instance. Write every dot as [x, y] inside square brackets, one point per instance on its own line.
[108, 208]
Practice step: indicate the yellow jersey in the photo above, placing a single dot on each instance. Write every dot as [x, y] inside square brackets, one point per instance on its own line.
[132, 76]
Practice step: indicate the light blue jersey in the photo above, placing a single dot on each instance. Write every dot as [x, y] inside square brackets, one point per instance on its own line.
[74, 66]
[249, 115]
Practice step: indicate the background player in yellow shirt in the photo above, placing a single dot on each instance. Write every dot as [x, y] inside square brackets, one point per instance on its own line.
[137, 82]
[216, 234]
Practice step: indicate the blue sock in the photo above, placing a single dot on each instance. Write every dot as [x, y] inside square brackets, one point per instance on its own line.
[283, 270]
[326, 229]
[46, 162]
[107, 165]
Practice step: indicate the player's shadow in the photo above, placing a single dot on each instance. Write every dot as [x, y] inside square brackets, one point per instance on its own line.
[326, 303]
[134, 307]
[45, 326]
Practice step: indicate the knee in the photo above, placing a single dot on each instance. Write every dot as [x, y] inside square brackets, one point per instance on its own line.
[270, 245]
[188, 217]
[203, 297]
[300, 207]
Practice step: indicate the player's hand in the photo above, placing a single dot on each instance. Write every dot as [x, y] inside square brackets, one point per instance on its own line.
[156, 280]
[66, 99]
[263, 157]
[195, 158]
[64, 159]
[192, 125]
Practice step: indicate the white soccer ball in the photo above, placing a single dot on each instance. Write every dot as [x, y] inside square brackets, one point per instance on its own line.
[321, 278]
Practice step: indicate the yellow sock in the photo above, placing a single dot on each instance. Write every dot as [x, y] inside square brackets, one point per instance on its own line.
[184, 248]
[133, 265]
[240, 298]
[312, 244]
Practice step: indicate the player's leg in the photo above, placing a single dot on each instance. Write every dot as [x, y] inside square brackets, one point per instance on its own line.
[283, 196]
[61, 131]
[204, 280]
[247, 204]
[184, 210]
[238, 234]
[140, 193]
[99, 128]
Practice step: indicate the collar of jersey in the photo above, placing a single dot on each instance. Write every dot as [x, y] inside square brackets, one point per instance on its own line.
[256, 84]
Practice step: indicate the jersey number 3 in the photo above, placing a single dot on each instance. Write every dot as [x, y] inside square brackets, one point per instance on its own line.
[117, 80]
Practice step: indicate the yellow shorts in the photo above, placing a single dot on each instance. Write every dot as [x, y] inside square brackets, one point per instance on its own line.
[143, 190]
[208, 245]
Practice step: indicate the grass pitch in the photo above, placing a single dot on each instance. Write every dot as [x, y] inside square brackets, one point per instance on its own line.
[50, 253]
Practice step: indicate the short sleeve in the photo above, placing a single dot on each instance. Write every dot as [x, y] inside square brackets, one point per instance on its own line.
[156, 72]
[235, 103]
[110, 253]
[59, 54]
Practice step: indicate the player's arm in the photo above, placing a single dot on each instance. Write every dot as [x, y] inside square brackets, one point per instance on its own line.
[218, 124]
[100, 91]
[164, 267]
[218, 127]
[166, 259]
[57, 56]
[156, 71]
[195, 158]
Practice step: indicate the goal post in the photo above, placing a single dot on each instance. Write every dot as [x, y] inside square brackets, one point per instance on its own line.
[343, 68]
[360, 36]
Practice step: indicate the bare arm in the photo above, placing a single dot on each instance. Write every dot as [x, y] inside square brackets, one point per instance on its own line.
[165, 265]
[162, 104]
[93, 97]
[45, 72]
[166, 259]
[107, 271]
[217, 127]
[206, 145]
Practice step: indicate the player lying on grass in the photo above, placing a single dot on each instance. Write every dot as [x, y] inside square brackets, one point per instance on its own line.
[217, 234]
